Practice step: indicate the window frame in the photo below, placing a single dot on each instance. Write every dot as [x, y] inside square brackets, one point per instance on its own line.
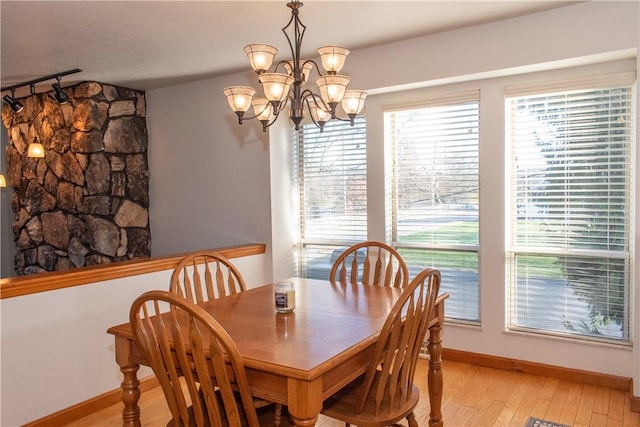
[455, 100]
[326, 247]
[548, 88]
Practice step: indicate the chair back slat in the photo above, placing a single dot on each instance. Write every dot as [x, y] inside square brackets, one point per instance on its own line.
[220, 280]
[187, 289]
[186, 345]
[389, 379]
[205, 275]
[370, 263]
[234, 287]
[208, 279]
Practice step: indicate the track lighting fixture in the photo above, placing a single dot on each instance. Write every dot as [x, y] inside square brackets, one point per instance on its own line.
[15, 105]
[59, 94]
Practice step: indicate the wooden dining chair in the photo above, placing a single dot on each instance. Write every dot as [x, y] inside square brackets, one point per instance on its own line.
[217, 392]
[386, 394]
[370, 263]
[205, 275]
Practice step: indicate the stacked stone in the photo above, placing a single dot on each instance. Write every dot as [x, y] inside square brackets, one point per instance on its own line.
[86, 202]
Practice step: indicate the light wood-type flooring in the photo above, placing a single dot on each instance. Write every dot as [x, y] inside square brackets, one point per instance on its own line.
[473, 396]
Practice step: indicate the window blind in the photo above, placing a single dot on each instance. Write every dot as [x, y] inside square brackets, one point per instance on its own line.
[570, 191]
[432, 178]
[330, 170]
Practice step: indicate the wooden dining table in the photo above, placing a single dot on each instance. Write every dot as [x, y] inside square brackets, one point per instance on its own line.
[302, 357]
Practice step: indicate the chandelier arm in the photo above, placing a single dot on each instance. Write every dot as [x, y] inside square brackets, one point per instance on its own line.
[266, 123]
[351, 119]
[327, 107]
[313, 119]
[280, 63]
[309, 94]
[277, 107]
[256, 115]
[315, 65]
[276, 114]
[298, 31]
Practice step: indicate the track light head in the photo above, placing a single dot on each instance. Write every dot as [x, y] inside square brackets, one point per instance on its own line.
[60, 95]
[15, 105]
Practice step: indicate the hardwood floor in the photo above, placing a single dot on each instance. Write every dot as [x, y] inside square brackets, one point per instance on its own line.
[473, 396]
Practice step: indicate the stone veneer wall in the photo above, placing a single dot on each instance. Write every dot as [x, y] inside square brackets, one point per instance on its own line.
[86, 202]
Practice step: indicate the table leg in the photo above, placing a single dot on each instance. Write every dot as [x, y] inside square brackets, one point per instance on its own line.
[304, 401]
[130, 384]
[130, 396]
[435, 375]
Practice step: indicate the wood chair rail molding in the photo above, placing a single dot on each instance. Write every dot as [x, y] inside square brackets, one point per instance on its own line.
[26, 285]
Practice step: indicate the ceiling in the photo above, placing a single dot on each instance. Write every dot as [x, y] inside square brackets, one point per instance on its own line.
[150, 44]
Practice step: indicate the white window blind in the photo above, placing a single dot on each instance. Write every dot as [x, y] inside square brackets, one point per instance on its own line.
[432, 177]
[570, 200]
[330, 170]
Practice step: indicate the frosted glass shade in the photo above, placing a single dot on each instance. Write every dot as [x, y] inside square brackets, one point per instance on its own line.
[319, 115]
[353, 101]
[305, 68]
[261, 108]
[332, 88]
[260, 56]
[276, 86]
[239, 97]
[333, 58]
[3, 181]
[35, 150]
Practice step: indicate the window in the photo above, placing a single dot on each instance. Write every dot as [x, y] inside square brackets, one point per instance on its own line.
[570, 198]
[330, 170]
[432, 196]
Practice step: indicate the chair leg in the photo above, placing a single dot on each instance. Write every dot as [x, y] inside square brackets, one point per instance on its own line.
[411, 418]
[278, 415]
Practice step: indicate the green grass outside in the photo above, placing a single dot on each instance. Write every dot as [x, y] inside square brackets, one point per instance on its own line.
[466, 233]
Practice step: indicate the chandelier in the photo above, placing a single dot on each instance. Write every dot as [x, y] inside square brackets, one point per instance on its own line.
[287, 86]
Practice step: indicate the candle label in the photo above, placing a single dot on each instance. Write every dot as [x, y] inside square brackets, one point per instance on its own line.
[285, 297]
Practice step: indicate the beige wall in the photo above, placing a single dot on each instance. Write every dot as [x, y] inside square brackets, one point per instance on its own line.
[209, 176]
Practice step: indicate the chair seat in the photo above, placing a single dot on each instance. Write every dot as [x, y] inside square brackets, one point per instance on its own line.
[341, 406]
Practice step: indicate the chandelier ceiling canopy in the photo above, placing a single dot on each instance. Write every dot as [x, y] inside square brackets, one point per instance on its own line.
[285, 84]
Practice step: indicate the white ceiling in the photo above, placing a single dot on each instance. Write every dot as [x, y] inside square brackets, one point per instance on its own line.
[150, 44]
